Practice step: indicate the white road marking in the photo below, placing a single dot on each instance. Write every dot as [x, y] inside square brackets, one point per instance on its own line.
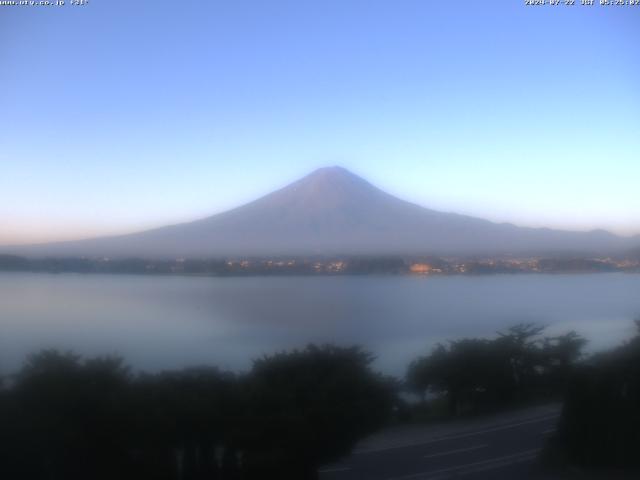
[459, 450]
[547, 432]
[462, 435]
[474, 467]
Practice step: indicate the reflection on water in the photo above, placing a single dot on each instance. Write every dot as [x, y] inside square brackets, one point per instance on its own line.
[169, 322]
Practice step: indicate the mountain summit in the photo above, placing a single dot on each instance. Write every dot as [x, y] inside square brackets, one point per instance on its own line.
[333, 211]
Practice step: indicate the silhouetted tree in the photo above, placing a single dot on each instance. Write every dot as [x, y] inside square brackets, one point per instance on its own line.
[478, 374]
[600, 423]
[309, 407]
[67, 418]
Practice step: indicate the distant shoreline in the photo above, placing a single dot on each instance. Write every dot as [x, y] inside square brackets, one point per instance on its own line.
[321, 266]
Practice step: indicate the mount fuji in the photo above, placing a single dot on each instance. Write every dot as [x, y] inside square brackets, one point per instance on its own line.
[333, 211]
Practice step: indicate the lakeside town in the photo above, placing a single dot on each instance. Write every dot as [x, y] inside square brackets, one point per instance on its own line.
[339, 265]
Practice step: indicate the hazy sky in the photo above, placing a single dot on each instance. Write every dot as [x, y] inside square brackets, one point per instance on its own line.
[123, 114]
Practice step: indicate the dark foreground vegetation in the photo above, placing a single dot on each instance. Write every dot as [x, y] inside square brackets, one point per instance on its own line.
[599, 428]
[63, 418]
[477, 375]
[600, 424]
[66, 418]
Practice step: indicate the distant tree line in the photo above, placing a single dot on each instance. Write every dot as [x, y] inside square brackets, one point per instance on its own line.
[355, 265]
[313, 265]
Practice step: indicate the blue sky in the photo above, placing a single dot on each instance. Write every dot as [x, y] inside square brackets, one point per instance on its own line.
[122, 115]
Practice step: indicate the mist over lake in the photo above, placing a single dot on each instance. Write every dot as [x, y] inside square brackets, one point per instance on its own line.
[167, 322]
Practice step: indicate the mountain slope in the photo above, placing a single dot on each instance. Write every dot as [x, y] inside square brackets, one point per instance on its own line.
[332, 211]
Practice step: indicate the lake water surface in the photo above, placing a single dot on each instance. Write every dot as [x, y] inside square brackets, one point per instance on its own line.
[170, 322]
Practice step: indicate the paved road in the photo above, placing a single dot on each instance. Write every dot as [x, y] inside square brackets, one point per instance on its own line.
[499, 447]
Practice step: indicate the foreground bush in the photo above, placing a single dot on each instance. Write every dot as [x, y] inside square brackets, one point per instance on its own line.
[477, 374]
[600, 423]
[65, 418]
